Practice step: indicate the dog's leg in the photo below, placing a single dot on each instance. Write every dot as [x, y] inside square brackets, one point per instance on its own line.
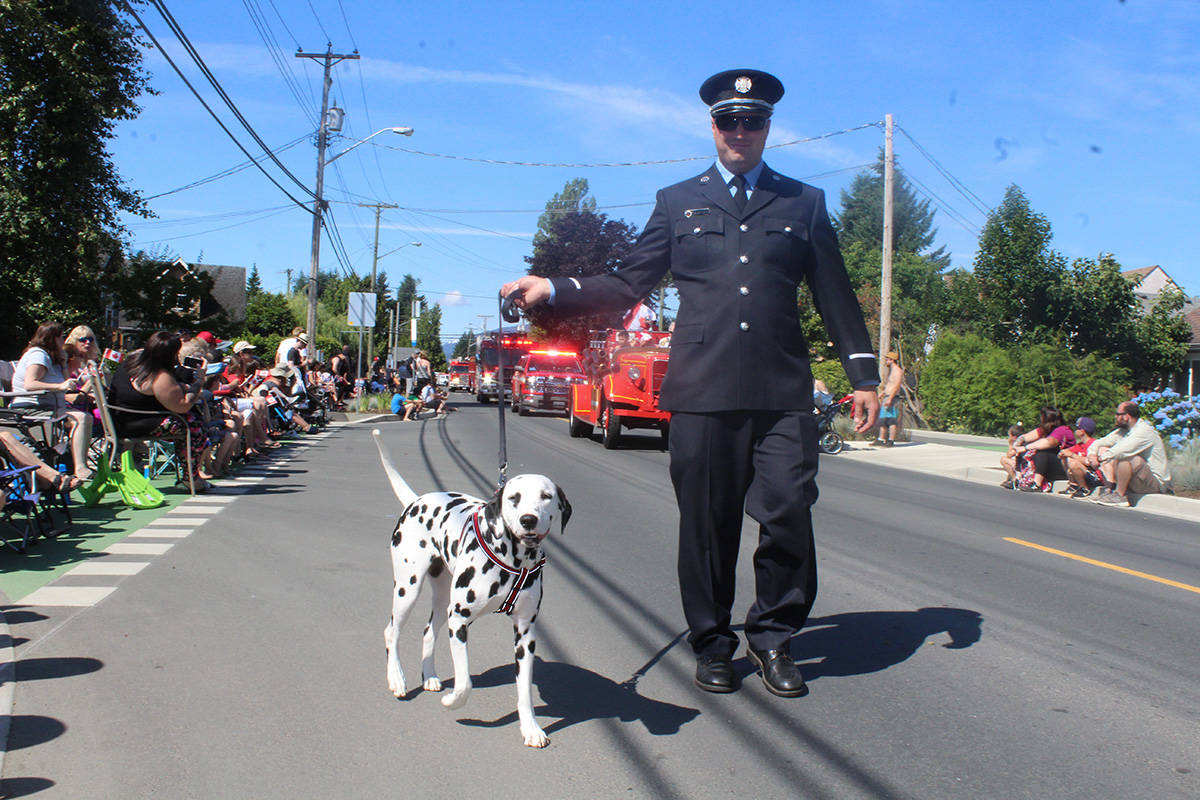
[404, 596]
[456, 630]
[437, 618]
[524, 643]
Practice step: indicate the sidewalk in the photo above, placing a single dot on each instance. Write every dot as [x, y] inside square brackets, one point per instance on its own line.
[977, 459]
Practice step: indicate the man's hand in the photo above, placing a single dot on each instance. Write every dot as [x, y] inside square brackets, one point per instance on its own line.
[866, 409]
[533, 291]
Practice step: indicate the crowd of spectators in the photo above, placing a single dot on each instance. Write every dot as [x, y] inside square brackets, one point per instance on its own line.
[232, 405]
[1131, 459]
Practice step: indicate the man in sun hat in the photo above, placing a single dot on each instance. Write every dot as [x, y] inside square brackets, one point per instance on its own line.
[739, 238]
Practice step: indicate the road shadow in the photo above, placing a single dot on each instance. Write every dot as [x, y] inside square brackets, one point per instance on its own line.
[43, 669]
[30, 730]
[862, 642]
[23, 787]
[574, 695]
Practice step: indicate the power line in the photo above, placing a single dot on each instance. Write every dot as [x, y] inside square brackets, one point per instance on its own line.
[259, 19]
[209, 109]
[274, 213]
[706, 157]
[203, 217]
[212, 79]
[225, 173]
[958, 185]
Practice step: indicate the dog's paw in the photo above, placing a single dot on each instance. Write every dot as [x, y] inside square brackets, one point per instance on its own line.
[534, 736]
[396, 682]
[455, 699]
[433, 684]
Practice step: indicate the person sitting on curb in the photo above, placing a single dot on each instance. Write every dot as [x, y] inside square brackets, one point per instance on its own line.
[431, 398]
[1080, 461]
[1135, 461]
[1040, 446]
[1008, 461]
[889, 401]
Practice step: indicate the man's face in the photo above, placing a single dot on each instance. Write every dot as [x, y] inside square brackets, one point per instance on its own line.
[1122, 418]
[740, 150]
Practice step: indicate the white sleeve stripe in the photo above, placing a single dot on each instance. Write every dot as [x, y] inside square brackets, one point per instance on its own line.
[574, 281]
[861, 355]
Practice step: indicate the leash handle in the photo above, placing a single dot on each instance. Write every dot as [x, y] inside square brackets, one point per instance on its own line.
[507, 312]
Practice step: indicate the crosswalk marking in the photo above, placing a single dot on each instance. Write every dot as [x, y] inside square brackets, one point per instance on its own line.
[109, 568]
[77, 596]
[172, 521]
[151, 532]
[138, 548]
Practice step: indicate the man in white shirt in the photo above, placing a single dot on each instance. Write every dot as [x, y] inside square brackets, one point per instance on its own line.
[1135, 461]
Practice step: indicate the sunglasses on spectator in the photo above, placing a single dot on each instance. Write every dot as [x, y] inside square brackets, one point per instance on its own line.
[86, 339]
[729, 122]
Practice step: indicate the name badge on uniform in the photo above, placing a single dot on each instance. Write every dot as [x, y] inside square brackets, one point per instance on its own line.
[696, 212]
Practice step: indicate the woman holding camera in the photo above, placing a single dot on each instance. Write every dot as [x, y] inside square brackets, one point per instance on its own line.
[151, 379]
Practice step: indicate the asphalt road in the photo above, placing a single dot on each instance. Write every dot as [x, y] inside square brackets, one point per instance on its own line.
[943, 660]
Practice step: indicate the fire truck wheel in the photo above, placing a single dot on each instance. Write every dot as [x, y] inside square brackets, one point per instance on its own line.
[521, 409]
[611, 429]
[479, 398]
[578, 427]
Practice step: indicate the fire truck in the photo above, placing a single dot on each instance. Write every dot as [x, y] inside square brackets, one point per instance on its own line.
[543, 379]
[625, 371]
[460, 371]
[489, 350]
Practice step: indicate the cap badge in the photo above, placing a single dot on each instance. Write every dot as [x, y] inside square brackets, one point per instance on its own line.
[742, 84]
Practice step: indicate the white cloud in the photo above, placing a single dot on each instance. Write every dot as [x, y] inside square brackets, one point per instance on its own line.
[453, 298]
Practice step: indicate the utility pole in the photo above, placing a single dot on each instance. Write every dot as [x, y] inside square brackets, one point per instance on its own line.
[289, 279]
[885, 280]
[330, 58]
[379, 207]
[485, 318]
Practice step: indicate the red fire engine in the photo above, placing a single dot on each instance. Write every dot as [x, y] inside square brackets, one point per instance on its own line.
[489, 350]
[460, 372]
[625, 371]
[543, 379]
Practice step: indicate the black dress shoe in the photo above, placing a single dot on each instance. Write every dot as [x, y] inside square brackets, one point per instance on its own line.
[780, 674]
[715, 674]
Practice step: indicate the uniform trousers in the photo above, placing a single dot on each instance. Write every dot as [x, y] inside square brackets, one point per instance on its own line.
[762, 463]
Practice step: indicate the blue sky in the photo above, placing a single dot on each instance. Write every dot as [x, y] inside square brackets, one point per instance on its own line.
[1092, 108]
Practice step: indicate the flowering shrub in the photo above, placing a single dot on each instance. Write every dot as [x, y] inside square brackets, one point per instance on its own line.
[1176, 417]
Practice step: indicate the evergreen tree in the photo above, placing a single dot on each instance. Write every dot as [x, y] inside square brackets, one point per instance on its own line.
[253, 284]
[573, 199]
[462, 348]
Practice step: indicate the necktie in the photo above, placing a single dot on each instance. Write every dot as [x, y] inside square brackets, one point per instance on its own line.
[739, 194]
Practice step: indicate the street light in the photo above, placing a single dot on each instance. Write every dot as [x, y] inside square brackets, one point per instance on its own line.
[319, 203]
[374, 263]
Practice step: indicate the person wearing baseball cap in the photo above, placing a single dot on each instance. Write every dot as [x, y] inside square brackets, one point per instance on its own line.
[1079, 461]
[739, 238]
[242, 346]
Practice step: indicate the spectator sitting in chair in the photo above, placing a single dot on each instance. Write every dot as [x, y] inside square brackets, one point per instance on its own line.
[12, 444]
[81, 347]
[1135, 459]
[151, 380]
[1081, 461]
[42, 369]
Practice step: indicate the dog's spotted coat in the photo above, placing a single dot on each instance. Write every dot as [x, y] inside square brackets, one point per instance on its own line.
[429, 545]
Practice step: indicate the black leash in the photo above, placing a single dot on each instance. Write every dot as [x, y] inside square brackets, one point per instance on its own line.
[508, 313]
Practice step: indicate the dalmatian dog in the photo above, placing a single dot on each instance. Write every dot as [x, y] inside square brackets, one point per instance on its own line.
[478, 556]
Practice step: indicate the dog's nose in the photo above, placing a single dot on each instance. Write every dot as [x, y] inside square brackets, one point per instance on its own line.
[529, 521]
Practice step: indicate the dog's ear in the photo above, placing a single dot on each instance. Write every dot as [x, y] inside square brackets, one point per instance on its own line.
[491, 510]
[564, 506]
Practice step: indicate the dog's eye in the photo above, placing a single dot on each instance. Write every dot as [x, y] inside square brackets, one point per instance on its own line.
[515, 498]
[547, 496]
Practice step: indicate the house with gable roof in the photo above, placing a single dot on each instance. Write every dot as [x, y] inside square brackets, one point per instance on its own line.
[1152, 281]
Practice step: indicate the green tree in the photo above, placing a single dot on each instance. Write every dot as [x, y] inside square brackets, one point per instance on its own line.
[1160, 341]
[1023, 294]
[579, 244]
[155, 293]
[253, 284]
[860, 220]
[68, 73]
[573, 199]
[462, 348]
[268, 313]
[429, 337]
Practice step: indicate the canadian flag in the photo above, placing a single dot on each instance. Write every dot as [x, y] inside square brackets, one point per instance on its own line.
[639, 318]
[112, 355]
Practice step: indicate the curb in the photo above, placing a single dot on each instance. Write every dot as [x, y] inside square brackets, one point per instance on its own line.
[8, 682]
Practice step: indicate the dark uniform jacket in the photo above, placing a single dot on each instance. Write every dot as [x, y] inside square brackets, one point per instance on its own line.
[737, 343]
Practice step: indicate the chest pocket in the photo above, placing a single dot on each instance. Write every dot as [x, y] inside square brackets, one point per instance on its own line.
[699, 242]
[786, 227]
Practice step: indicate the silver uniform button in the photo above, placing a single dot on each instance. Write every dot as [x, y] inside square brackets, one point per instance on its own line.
[744, 290]
[743, 227]
[745, 326]
[787, 228]
[695, 230]
[744, 259]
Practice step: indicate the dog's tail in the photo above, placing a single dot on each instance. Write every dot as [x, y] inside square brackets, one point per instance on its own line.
[402, 490]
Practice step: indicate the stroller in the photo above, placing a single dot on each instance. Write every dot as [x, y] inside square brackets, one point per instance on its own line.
[829, 440]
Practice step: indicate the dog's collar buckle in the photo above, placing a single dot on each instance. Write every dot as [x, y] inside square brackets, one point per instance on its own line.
[524, 574]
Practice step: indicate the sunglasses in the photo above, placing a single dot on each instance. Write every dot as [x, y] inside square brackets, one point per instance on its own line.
[86, 339]
[729, 122]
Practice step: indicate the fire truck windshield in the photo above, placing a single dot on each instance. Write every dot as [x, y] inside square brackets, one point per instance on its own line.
[544, 364]
[511, 357]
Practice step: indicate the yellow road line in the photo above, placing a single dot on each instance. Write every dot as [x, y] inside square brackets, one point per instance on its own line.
[1105, 564]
